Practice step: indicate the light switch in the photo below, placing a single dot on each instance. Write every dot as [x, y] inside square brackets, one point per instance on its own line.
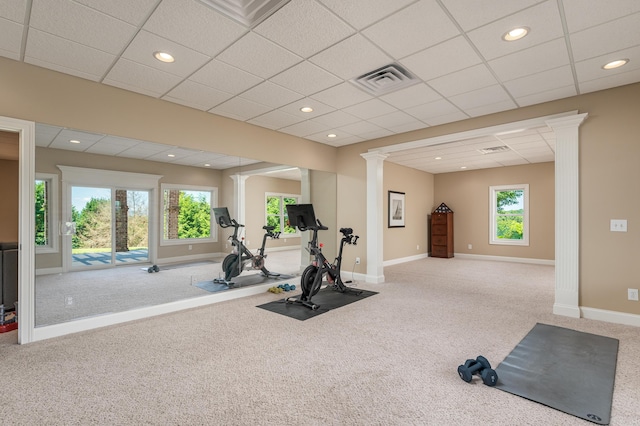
[618, 225]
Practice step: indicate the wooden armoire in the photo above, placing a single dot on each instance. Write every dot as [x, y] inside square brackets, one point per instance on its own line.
[442, 231]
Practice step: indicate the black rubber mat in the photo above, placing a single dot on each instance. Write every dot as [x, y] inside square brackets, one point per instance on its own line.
[567, 370]
[326, 298]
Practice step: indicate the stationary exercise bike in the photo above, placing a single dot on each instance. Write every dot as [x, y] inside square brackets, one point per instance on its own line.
[303, 216]
[242, 259]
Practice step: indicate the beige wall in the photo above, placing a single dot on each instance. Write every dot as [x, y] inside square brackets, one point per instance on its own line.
[467, 194]
[9, 195]
[419, 199]
[609, 155]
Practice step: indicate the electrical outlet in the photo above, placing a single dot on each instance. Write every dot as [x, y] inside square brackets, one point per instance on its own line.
[357, 260]
[632, 294]
[68, 300]
[470, 247]
[418, 247]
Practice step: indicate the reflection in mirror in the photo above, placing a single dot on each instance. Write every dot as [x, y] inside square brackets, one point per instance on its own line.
[108, 209]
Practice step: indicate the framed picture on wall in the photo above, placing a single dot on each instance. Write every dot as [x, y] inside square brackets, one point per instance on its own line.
[396, 209]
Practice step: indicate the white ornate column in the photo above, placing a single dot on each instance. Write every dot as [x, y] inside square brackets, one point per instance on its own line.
[238, 196]
[567, 215]
[375, 215]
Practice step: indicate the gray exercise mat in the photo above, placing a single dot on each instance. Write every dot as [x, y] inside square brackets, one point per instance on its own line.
[567, 370]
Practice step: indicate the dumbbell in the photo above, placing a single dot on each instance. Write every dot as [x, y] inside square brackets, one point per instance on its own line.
[480, 366]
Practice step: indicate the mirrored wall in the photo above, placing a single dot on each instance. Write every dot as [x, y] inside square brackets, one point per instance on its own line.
[106, 213]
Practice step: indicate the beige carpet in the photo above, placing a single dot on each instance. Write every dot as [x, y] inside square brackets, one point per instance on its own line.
[390, 359]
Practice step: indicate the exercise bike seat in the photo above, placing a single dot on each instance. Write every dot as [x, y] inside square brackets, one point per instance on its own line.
[268, 228]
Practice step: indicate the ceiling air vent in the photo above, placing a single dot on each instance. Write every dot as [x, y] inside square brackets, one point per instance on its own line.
[387, 79]
[494, 149]
[248, 13]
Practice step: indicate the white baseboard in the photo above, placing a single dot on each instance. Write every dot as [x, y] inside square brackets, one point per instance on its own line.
[189, 258]
[473, 256]
[610, 316]
[404, 259]
[506, 259]
[48, 271]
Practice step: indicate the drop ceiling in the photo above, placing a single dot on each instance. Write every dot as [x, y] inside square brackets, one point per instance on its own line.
[312, 52]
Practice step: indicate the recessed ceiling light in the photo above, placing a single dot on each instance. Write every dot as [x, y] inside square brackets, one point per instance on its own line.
[615, 64]
[306, 109]
[463, 167]
[515, 34]
[171, 155]
[74, 141]
[332, 135]
[207, 165]
[163, 56]
[438, 158]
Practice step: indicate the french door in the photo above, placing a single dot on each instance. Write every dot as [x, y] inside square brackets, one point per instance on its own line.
[109, 226]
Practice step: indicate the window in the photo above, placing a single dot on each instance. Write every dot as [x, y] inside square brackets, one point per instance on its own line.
[187, 214]
[509, 214]
[276, 212]
[46, 196]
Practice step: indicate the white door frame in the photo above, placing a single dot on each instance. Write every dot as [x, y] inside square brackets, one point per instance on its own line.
[26, 224]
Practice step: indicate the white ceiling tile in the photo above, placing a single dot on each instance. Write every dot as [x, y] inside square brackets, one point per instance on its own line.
[45, 134]
[305, 128]
[275, 120]
[271, 94]
[472, 14]
[13, 10]
[362, 13]
[581, 14]
[480, 97]
[336, 119]
[399, 120]
[366, 129]
[221, 76]
[196, 95]
[241, 109]
[81, 24]
[539, 58]
[145, 44]
[416, 27]
[614, 80]
[62, 140]
[450, 56]
[543, 20]
[140, 78]
[258, 56]
[370, 109]
[411, 96]
[472, 78]
[432, 109]
[616, 35]
[304, 27]
[133, 12]
[63, 54]
[351, 58]
[491, 108]
[10, 38]
[319, 108]
[194, 25]
[546, 96]
[591, 69]
[306, 78]
[540, 82]
[342, 95]
[436, 120]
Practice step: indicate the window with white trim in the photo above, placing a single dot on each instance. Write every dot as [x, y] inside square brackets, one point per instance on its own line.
[276, 212]
[186, 214]
[509, 214]
[46, 196]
